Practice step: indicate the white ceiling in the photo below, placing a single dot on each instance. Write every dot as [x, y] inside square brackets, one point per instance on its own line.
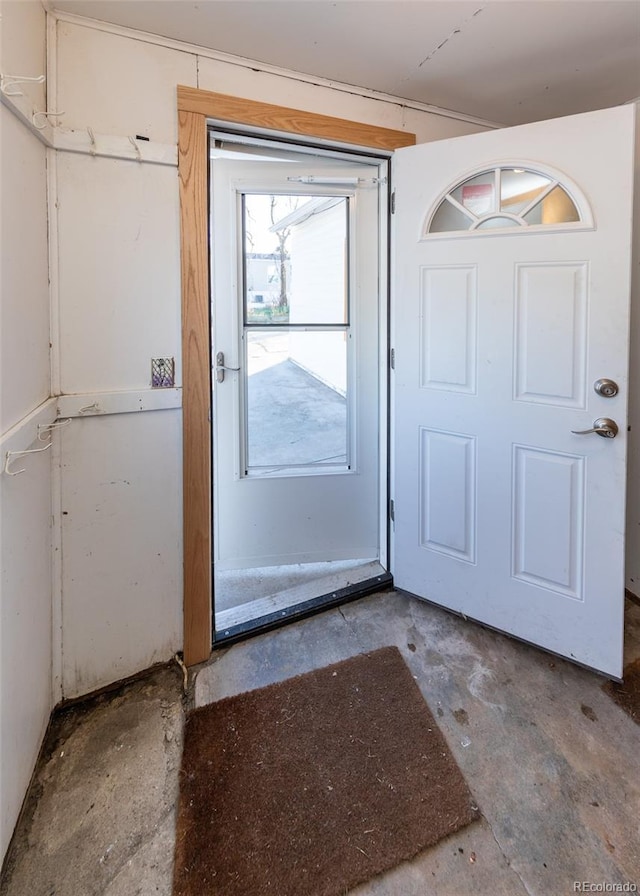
[507, 61]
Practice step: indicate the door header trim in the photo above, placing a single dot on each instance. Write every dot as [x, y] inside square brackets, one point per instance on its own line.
[235, 109]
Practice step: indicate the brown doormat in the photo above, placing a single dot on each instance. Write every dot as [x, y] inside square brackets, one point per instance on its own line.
[627, 693]
[314, 785]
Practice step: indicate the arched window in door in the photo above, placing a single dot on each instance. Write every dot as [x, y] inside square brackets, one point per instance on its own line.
[505, 197]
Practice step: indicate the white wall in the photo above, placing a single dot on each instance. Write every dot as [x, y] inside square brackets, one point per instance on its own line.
[122, 538]
[119, 288]
[23, 45]
[25, 500]
[25, 318]
[119, 306]
[271, 88]
[119, 273]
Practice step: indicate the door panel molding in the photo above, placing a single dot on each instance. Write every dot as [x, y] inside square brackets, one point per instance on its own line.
[194, 108]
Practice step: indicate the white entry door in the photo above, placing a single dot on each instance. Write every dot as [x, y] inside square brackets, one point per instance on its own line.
[511, 303]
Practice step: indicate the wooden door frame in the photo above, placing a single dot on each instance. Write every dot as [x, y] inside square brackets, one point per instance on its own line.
[195, 109]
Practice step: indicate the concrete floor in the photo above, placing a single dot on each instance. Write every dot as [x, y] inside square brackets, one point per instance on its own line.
[294, 419]
[552, 762]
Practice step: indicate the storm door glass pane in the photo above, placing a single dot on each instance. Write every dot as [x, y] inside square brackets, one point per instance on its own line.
[295, 259]
[296, 399]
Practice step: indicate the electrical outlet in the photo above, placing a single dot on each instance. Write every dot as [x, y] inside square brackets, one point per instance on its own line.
[162, 373]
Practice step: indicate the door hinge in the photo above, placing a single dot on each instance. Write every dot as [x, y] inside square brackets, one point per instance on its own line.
[393, 359]
[392, 510]
[393, 203]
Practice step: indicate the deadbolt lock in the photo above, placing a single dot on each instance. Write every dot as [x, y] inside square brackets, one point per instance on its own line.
[605, 387]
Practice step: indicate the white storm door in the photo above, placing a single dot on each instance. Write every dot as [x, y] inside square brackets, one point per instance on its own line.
[502, 513]
[294, 483]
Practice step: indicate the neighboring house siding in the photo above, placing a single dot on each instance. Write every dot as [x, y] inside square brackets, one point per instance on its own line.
[318, 294]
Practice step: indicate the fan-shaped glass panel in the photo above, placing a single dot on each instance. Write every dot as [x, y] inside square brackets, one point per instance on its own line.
[504, 197]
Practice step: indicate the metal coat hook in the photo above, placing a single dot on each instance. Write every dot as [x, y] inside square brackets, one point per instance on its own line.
[90, 409]
[11, 454]
[134, 143]
[47, 115]
[93, 148]
[47, 428]
[7, 81]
